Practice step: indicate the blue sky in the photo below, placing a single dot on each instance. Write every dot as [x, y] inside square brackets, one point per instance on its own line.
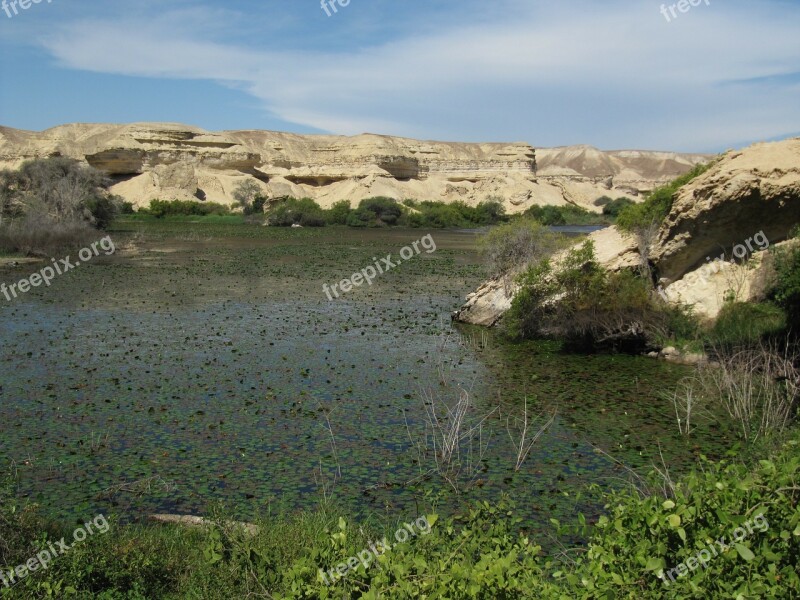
[614, 73]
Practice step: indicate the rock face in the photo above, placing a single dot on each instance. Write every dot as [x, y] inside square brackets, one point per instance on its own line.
[713, 245]
[613, 249]
[753, 191]
[173, 161]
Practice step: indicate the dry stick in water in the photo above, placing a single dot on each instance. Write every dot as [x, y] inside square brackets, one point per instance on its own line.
[524, 446]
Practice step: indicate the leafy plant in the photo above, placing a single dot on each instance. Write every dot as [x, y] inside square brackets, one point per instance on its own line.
[658, 203]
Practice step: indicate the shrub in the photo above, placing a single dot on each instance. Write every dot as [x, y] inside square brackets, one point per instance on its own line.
[490, 212]
[568, 214]
[614, 207]
[641, 539]
[757, 386]
[658, 203]
[292, 211]
[185, 208]
[360, 218]
[49, 205]
[338, 213]
[681, 324]
[546, 215]
[103, 210]
[575, 299]
[248, 195]
[383, 211]
[440, 216]
[785, 291]
[454, 214]
[513, 246]
[743, 323]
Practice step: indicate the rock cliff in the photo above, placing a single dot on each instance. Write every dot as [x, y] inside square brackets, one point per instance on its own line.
[756, 190]
[173, 161]
[712, 245]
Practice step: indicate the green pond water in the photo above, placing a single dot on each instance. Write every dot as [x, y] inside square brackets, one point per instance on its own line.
[199, 364]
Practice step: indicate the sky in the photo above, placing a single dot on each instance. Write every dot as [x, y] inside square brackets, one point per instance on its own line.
[615, 74]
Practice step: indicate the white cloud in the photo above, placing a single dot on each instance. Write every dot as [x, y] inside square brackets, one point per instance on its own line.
[615, 74]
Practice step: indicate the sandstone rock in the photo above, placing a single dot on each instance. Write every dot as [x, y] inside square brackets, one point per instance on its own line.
[755, 190]
[192, 521]
[706, 288]
[614, 250]
[173, 161]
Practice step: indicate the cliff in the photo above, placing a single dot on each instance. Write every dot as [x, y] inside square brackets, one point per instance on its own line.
[714, 242]
[173, 161]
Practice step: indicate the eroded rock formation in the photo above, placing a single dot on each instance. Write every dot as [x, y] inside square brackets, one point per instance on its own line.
[751, 191]
[714, 243]
[173, 161]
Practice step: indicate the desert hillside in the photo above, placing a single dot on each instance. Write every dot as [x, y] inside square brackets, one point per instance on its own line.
[173, 161]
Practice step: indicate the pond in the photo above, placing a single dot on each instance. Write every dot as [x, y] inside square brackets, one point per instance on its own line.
[204, 363]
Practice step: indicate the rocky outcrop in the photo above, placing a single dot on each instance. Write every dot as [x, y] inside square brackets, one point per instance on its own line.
[752, 191]
[713, 245]
[707, 288]
[613, 249]
[631, 171]
[173, 161]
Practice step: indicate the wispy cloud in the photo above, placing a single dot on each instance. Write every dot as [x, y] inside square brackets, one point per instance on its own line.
[612, 74]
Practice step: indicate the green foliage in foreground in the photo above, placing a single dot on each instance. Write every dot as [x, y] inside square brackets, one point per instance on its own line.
[658, 204]
[482, 554]
[640, 540]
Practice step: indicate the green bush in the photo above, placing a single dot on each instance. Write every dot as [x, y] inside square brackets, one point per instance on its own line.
[578, 301]
[658, 203]
[185, 208]
[641, 539]
[104, 209]
[567, 214]
[381, 211]
[435, 214]
[744, 324]
[613, 208]
[514, 245]
[546, 215]
[291, 211]
[682, 326]
[489, 212]
[338, 213]
[785, 291]
[439, 216]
